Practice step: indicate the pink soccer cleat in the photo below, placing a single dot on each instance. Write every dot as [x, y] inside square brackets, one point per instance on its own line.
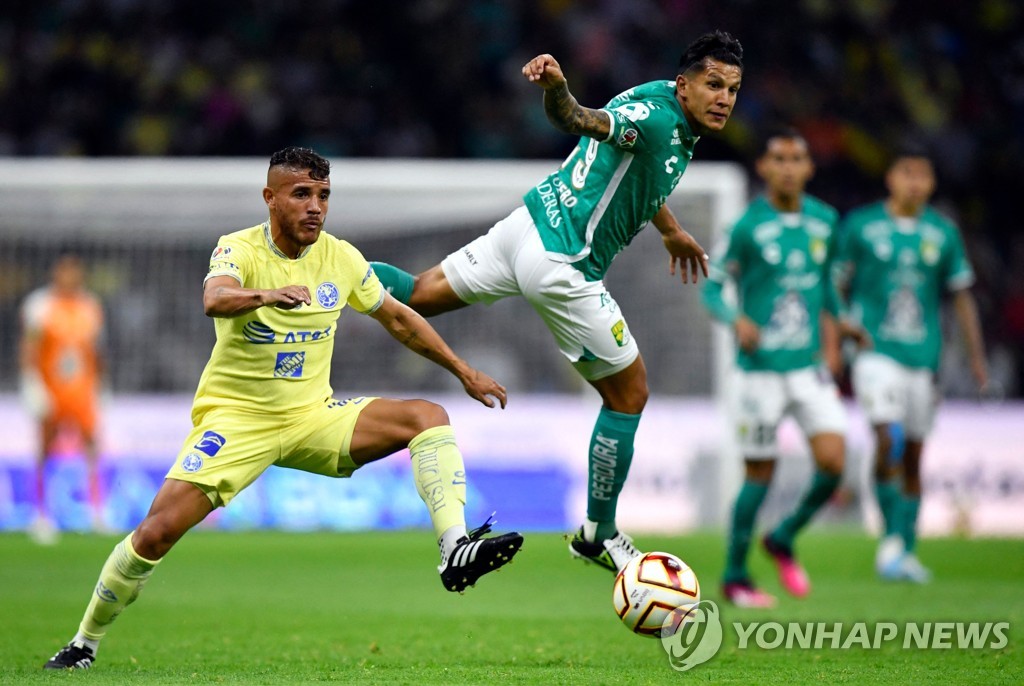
[744, 594]
[791, 574]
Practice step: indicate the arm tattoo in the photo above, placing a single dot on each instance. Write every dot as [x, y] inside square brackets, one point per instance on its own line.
[410, 339]
[566, 114]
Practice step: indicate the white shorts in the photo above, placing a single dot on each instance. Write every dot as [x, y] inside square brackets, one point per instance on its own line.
[764, 398]
[510, 260]
[890, 392]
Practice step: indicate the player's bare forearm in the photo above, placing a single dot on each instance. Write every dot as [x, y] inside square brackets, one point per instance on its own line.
[224, 297]
[681, 246]
[563, 111]
[413, 331]
[567, 115]
[967, 315]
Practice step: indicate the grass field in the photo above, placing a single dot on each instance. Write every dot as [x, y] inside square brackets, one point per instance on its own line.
[278, 608]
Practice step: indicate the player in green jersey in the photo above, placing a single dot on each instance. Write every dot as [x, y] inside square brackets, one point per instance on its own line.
[276, 292]
[779, 256]
[556, 248]
[897, 259]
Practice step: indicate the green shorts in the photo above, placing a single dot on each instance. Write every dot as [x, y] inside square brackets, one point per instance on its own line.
[229, 448]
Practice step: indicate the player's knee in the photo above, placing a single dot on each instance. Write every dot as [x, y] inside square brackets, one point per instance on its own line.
[427, 415]
[760, 471]
[630, 399]
[831, 462]
[154, 536]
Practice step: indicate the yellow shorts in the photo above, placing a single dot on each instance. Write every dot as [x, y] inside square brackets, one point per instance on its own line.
[229, 448]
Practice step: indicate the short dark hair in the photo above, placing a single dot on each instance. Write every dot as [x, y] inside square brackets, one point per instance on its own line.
[785, 132]
[302, 159]
[911, 148]
[717, 45]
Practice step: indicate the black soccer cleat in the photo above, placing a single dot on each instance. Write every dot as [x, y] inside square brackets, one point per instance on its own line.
[72, 656]
[613, 553]
[475, 556]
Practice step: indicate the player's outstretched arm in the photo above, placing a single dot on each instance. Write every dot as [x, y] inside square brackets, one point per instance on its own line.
[413, 331]
[967, 315]
[682, 247]
[224, 297]
[563, 111]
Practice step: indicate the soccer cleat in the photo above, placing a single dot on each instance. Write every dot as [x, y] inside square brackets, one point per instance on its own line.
[72, 656]
[791, 575]
[475, 556]
[911, 569]
[43, 531]
[888, 558]
[744, 594]
[612, 553]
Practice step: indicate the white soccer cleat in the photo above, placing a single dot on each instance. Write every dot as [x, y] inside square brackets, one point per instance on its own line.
[43, 531]
[911, 569]
[889, 558]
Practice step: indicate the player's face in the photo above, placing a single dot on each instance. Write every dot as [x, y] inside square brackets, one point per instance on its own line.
[68, 275]
[786, 166]
[911, 181]
[298, 207]
[708, 95]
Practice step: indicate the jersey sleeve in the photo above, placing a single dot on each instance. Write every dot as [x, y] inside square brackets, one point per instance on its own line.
[231, 258]
[957, 271]
[33, 310]
[638, 124]
[367, 293]
[726, 261]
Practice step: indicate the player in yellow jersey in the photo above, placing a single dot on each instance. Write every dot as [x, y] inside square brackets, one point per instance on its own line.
[275, 292]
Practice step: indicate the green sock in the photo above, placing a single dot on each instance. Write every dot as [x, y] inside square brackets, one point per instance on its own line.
[910, 505]
[395, 281]
[744, 512]
[611, 452]
[823, 485]
[888, 496]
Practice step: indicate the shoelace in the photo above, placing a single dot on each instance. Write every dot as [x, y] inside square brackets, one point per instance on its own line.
[483, 529]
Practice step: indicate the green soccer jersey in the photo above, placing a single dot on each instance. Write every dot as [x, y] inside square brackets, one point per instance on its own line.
[606, 191]
[895, 271]
[780, 263]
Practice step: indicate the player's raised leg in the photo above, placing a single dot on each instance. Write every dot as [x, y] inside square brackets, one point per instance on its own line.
[178, 507]
[386, 426]
[428, 293]
[828, 450]
[737, 585]
[624, 394]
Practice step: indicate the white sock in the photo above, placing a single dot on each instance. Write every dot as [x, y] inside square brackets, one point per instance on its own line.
[589, 531]
[92, 644]
[449, 539]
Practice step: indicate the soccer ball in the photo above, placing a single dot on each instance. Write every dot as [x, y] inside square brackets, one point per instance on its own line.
[652, 588]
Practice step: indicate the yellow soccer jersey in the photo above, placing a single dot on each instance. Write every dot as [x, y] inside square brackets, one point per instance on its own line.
[274, 360]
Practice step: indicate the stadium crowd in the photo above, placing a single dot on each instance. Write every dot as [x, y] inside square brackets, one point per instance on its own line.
[440, 78]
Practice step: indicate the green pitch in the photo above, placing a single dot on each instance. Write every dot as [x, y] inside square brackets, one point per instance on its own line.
[277, 608]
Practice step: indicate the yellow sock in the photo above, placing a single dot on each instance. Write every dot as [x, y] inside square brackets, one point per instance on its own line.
[440, 477]
[121, 579]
